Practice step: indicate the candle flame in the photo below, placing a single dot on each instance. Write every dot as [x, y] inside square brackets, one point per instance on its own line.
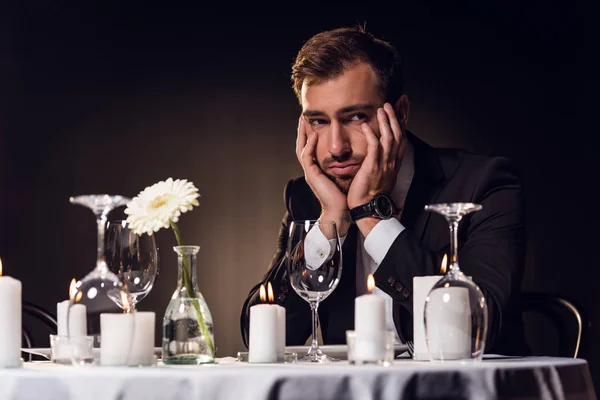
[370, 283]
[125, 301]
[72, 289]
[444, 262]
[271, 297]
[0, 267]
[263, 293]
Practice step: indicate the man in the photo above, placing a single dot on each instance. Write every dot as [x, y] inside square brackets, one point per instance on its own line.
[353, 144]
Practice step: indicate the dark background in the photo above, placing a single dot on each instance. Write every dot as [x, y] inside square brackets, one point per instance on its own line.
[111, 98]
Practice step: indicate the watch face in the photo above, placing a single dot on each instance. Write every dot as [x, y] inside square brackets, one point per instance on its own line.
[384, 206]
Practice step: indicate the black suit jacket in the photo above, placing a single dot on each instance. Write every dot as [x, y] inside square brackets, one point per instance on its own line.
[492, 245]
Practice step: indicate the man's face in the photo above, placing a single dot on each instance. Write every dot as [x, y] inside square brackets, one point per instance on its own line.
[335, 109]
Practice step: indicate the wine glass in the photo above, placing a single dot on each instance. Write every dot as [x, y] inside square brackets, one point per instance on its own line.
[100, 292]
[455, 309]
[314, 265]
[133, 258]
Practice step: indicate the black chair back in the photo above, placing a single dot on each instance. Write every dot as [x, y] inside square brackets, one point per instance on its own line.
[566, 315]
[40, 314]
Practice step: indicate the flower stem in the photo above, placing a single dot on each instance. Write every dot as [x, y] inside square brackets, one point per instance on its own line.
[187, 281]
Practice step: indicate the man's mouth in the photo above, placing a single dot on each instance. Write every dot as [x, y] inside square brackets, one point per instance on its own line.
[341, 169]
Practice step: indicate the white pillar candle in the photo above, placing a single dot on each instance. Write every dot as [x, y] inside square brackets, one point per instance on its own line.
[369, 325]
[280, 332]
[449, 323]
[10, 321]
[263, 334]
[77, 319]
[116, 338]
[280, 323]
[142, 349]
[267, 330]
[421, 287]
[369, 313]
[127, 339]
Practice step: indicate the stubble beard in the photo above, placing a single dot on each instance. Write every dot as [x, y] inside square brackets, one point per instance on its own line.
[342, 182]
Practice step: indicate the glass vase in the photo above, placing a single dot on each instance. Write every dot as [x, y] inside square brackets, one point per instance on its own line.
[187, 324]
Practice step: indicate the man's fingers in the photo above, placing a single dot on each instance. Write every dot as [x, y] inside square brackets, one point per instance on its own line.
[394, 124]
[396, 133]
[308, 152]
[372, 145]
[305, 145]
[386, 138]
[301, 138]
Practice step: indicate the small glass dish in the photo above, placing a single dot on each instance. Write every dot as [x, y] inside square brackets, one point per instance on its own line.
[63, 350]
[289, 358]
[370, 348]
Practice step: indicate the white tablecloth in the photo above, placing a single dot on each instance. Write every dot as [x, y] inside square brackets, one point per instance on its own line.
[528, 378]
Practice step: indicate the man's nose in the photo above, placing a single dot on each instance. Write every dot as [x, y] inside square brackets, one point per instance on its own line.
[339, 143]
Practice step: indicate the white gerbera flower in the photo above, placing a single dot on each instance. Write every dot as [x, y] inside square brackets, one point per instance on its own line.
[161, 204]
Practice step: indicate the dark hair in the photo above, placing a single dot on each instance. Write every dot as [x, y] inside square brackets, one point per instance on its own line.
[328, 54]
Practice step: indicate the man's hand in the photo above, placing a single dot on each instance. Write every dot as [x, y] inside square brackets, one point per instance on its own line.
[379, 169]
[334, 205]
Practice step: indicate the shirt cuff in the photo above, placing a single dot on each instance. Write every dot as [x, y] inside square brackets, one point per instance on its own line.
[318, 249]
[381, 238]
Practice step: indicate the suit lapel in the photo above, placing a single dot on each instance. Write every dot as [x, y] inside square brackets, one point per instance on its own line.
[424, 189]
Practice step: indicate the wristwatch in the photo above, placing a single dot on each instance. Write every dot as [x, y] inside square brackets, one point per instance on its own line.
[381, 206]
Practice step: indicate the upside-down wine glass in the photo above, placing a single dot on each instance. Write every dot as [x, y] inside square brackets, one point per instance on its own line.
[132, 257]
[100, 295]
[455, 309]
[314, 265]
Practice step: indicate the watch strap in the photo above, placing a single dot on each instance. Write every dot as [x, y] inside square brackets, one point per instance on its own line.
[362, 211]
[370, 209]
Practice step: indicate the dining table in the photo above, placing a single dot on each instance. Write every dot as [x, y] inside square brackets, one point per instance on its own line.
[494, 377]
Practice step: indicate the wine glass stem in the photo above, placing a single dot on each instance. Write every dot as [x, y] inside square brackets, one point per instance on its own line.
[101, 222]
[454, 243]
[314, 306]
[133, 303]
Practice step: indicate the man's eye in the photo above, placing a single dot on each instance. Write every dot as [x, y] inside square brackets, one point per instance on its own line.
[316, 122]
[358, 117]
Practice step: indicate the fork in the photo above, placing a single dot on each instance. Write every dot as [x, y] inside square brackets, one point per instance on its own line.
[28, 351]
[411, 348]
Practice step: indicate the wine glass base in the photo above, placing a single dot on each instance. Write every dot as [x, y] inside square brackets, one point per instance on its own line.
[316, 356]
[457, 361]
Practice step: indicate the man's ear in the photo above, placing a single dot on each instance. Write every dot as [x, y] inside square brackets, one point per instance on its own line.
[402, 108]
